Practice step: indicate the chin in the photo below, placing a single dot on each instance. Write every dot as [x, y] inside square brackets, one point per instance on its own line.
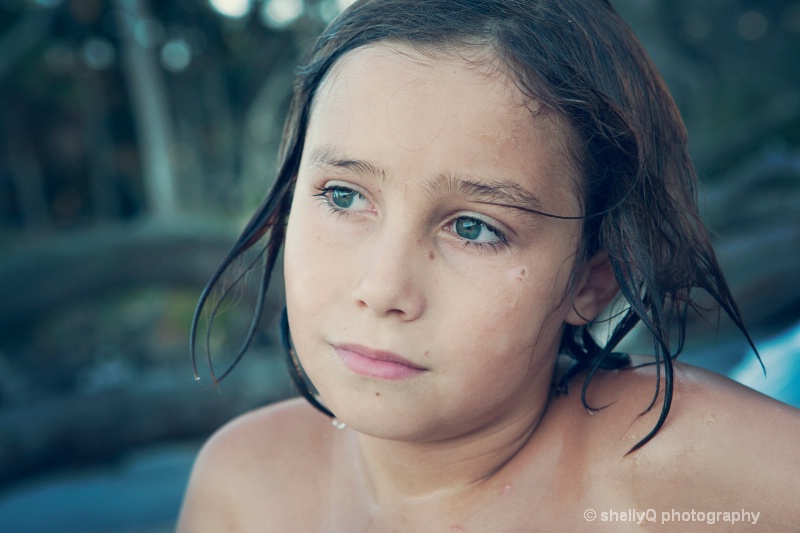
[382, 416]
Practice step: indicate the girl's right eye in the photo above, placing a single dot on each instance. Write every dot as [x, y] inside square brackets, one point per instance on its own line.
[340, 198]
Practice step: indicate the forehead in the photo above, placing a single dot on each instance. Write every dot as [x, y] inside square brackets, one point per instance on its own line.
[455, 108]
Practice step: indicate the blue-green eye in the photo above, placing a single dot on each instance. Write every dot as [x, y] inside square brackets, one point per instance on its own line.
[340, 198]
[476, 231]
[469, 228]
[344, 198]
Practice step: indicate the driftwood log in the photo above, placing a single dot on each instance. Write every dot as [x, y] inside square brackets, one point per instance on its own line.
[42, 276]
[72, 430]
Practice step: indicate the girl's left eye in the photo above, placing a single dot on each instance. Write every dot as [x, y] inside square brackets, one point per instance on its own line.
[477, 232]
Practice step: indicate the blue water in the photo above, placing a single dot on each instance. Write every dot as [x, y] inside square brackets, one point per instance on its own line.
[781, 356]
[143, 494]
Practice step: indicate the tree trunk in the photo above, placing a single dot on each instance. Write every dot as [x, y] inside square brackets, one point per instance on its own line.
[151, 112]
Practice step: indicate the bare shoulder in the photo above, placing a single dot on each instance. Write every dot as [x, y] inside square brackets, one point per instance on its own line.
[723, 447]
[253, 465]
[722, 421]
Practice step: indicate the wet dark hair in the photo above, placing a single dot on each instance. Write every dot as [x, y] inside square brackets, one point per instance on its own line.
[580, 60]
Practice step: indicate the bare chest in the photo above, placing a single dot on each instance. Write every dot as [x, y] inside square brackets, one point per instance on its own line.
[339, 504]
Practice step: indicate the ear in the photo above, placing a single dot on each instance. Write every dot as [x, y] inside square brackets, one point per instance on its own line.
[595, 289]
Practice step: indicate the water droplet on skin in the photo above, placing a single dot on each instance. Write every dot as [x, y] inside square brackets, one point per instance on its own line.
[517, 273]
[338, 424]
[508, 488]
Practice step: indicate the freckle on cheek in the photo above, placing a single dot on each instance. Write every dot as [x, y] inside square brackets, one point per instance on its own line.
[430, 255]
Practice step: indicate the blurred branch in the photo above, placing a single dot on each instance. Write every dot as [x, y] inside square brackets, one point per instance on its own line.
[27, 179]
[99, 149]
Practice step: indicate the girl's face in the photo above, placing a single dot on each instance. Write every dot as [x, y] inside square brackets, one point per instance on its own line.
[423, 302]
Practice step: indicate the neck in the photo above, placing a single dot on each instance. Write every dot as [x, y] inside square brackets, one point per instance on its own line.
[447, 471]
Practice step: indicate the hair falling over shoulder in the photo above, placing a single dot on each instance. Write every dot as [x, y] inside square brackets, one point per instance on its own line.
[580, 60]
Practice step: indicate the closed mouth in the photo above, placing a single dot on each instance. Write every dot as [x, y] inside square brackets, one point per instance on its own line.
[377, 363]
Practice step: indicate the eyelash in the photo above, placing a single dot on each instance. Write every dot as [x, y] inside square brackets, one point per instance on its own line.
[324, 198]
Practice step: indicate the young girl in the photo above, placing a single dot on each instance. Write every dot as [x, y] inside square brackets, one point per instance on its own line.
[465, 186]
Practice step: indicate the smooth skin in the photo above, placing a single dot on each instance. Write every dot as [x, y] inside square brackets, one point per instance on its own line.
[405, 235]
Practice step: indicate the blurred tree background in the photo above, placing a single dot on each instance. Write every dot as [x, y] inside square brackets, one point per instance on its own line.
[137, 136]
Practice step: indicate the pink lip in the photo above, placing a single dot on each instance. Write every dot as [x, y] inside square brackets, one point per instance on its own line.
[376, 363]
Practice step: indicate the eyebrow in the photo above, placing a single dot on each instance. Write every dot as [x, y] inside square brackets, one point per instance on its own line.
[328, 158]
[499, 192]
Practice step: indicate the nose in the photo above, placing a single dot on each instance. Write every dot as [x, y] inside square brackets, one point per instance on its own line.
[391, 280]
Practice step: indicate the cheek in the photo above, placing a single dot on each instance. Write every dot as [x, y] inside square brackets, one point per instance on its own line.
[317, 262]
[303, 257]
[308, 279]
[521, 310]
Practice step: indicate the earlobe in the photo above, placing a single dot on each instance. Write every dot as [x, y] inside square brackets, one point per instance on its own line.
[594, 291]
